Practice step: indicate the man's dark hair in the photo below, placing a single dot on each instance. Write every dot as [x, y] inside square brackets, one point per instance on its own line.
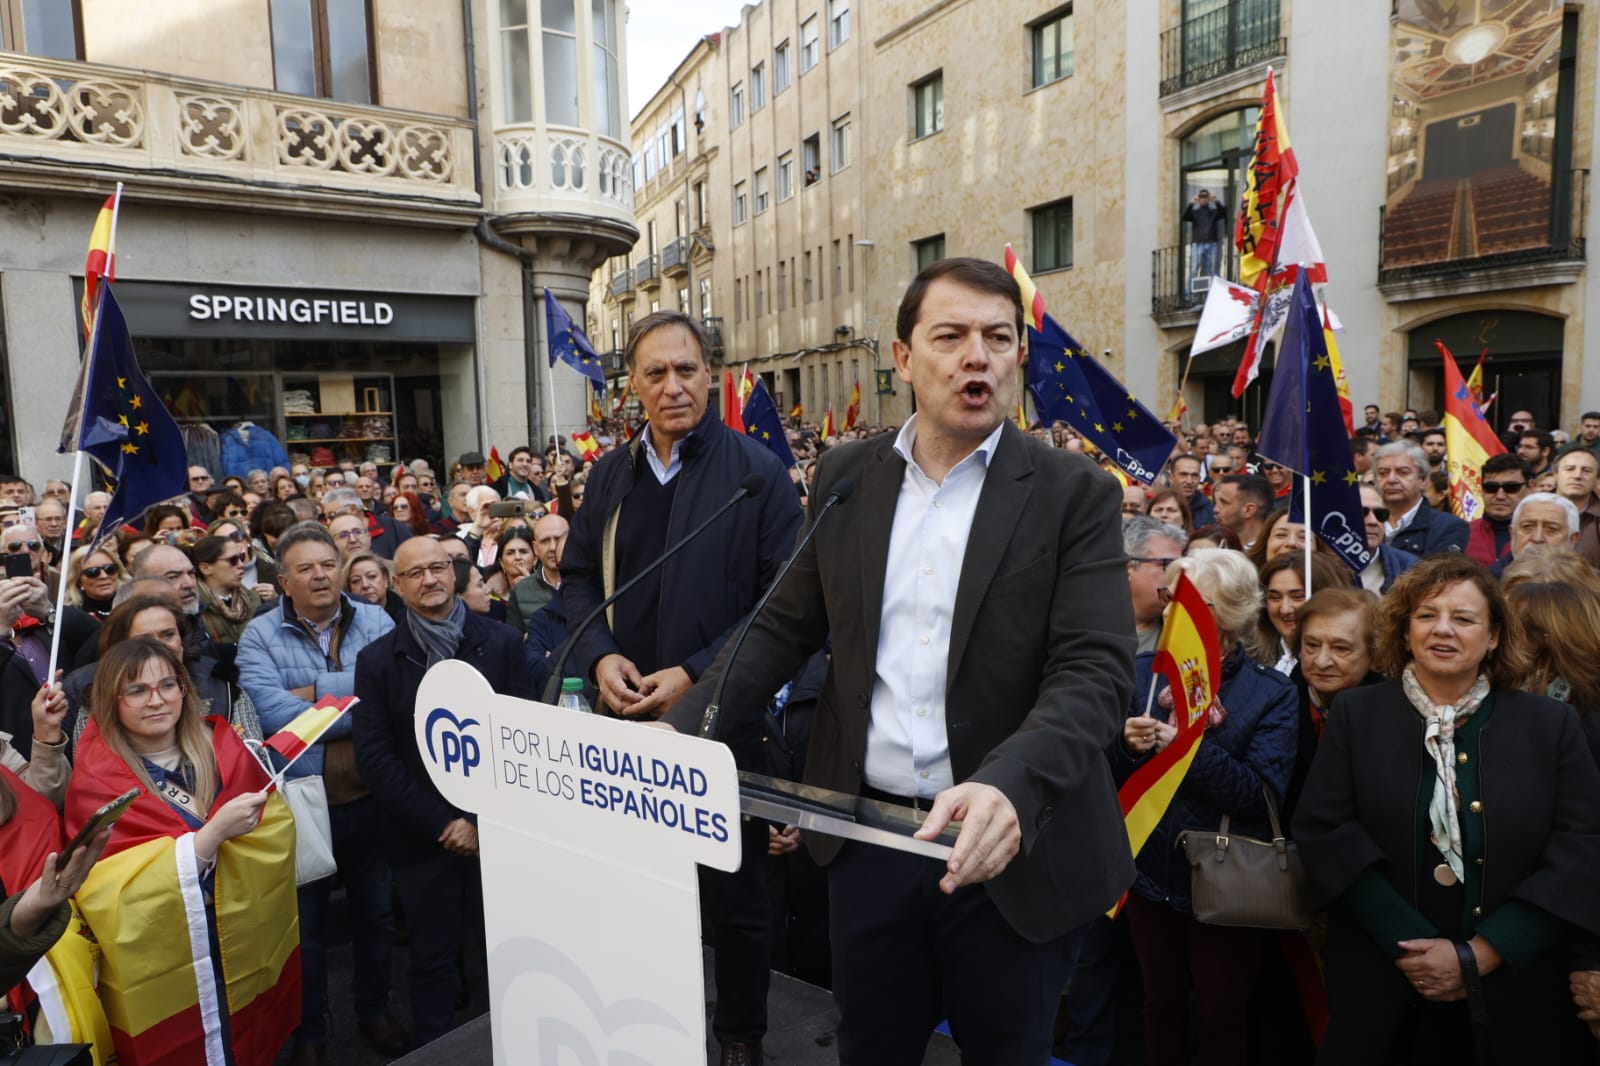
[1428, 416]
[1396, 417]
[270, 518]
[1506, 462]
[1361, 444]
[1372, 407]
[1432, 431]
[1589, 414]
[518, 450]
[1201, 463]
[1546, 441]
[300, 533]
[1252, 487]
[660, 320]
[1569, 449]
[978, 274]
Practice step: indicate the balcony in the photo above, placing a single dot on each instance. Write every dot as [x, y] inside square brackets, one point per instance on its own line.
[1218, 43]
[561, 171]
[1178, 284]
[621, 285]
[199, 142]
[675, 257]
[648, 272]
[612, 363]
[713, 326]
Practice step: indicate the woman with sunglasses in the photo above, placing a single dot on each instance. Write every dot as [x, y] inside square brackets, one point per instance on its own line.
[261, 570]
[408, 510]
[226, 605]
[93, 577]
[193, 904]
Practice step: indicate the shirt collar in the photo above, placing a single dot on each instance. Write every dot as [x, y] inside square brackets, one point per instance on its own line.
[981, 455]
[1407, 518]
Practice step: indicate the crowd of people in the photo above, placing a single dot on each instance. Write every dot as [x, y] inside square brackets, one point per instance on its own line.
[1428, 727]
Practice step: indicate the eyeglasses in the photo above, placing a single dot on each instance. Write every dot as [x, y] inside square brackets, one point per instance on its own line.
[139, 692]
[1269, 466]
[416, 573]
[99, 571]
[1494, 488]
[1161, 562]
[235, 560]
[1380, 513]
[21, 546]
[202, 478]
[350, 535]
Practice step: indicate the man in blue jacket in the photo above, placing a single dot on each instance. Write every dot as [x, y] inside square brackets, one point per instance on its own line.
[664, 634]
[1401, 469]
[293, 655]
[432, 846]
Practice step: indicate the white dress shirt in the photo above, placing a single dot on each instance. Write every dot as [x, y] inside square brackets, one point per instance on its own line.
[908, 749]
[666, 473]
[1402, 523]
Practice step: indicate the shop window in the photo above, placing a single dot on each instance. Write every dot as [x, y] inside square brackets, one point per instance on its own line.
[1052, 236]
[52, 28]
[321, 48]
[1052, 48]
[927, 251]
[927, 106]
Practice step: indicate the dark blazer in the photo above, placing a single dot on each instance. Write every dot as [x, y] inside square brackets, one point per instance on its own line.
[1431, 532]
[1541, 831]
[1040, 670]
[388, 673]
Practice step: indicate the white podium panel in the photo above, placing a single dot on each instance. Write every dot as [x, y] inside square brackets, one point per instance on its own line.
[589, 831]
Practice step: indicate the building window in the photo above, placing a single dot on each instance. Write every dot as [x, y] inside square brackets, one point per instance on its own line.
[1052, 236]
[51, 28]
[679, 218]
[319, 47]
[700, 205]
[761, 295]
[560, 62]
[838, 271]
[683, 301]
[785, 176]
[650, 236]
[811, 158]
[927, 106]
[740, 204]
[1052, 48]
[809, 52]
[705, 297]
[780, 68]
[927, 251]
[806, 287]
[783, 285]
[758, 87]
[606, 75]
[736, 107]
[838, 23]
[761, 191]
[738, 299]
[840, 143]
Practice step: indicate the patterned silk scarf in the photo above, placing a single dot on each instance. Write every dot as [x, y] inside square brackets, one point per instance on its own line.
[1438, 740]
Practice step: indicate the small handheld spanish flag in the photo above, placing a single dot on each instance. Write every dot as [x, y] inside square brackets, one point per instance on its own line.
[307, 728]
[827, 425]
[497, 467]
[588, 447]
[798, 411]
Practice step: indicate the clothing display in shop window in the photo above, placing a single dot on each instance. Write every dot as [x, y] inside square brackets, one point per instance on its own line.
[298, 402]
[201, 446]
[247, 447]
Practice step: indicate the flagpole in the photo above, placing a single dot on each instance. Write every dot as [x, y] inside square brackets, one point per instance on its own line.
[77, 484]
[1310, 536]
[550, 382]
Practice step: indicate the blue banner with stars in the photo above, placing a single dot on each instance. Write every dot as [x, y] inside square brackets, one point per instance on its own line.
[123, 425]
[1304, 430]
[569, 344]
[1069, 385]
[762, 422]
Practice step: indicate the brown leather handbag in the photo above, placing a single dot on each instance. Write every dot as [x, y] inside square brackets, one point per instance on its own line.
[1240, 881]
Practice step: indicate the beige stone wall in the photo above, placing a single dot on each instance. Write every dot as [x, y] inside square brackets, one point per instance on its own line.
[421, 56]
[222, 40]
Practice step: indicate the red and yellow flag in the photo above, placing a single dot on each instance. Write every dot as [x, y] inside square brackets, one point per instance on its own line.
[1272, 168]
[732, 408]
[308, 726]
[1179, 409]
[1346, 407]
[1468, 440]
[853, 413]
[1189, 656]
[1032, 302]
[497, 467]
[797, 411]
[101, 262]
[747, 385]
[827, 425]
[1475, 380]
[588, 447]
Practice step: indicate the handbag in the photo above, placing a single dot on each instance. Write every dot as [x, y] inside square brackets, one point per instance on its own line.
[1241, 881]
[313, 836]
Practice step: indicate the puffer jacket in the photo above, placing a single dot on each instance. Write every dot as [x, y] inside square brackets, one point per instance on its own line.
[1255, 744]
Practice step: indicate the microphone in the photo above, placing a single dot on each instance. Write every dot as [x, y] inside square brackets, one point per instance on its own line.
[842, 491]
[750, 486]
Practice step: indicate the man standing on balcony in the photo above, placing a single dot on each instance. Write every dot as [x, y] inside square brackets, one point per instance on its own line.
[1208, 220]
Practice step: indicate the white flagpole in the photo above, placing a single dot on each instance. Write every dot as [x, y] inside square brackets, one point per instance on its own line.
[1310, 536]
[550, 378]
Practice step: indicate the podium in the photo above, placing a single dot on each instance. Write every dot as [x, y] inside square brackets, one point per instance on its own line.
[589, 832]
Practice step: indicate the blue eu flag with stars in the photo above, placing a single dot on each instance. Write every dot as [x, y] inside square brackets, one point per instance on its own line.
[568, 343]
[762, 423]
[118, 419]
[1304, 430]
[1069, 385]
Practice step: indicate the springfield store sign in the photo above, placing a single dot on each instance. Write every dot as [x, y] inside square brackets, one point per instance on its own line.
[215, 306]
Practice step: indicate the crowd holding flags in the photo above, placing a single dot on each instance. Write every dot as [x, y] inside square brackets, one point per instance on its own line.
[1468, 440]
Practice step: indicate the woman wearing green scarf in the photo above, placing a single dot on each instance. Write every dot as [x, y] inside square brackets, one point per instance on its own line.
[226, 603]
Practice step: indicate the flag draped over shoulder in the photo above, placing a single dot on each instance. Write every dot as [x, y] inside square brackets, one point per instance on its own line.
[1189, 656]
[761, 423]
[1303, 430]
[569, 344]
[1468, 440]
[117, 418]
[100, 265]
[161, 991]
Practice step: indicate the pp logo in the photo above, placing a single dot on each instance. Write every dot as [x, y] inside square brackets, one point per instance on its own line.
[455, 746]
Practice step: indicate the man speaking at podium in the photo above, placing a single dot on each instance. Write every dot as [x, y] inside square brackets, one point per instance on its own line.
[982, 660]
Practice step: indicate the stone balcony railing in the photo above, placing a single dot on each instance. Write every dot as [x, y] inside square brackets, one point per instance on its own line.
[561, 170]
[197, 140]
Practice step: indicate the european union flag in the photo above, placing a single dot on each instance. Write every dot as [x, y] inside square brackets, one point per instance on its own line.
[568, 344]
[761, 422]
[118, 419]
[1069, 385]
[1304, 430]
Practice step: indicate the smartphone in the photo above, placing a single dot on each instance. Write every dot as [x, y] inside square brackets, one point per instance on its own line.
[25, 513]
[507, 509]
[105, 816]
[19, 565]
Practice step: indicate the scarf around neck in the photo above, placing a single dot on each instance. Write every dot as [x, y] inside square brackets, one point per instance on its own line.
[441, 638]
[1438, 740]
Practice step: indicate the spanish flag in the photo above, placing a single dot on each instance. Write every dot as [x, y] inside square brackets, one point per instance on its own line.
[827, 425]
[1468, 440]
[308, 726]
[747, 385]
[588, 447]
[853, 413]
[151, 918]
[101, 262]
[798, 411]
[732, 404]
[1189, 656]
[1272, 168]
[497, 467]
[1475, 380]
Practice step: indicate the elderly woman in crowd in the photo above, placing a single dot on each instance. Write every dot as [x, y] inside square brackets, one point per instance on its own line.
[1249, 747]
[207, 849]
[93, 577]
[1171, 508]
[1284, 587]
[1332, 642]
[1449, 821]
[284, 487]
[370, 578]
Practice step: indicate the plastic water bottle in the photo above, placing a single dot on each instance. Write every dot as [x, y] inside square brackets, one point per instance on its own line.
[572, 696]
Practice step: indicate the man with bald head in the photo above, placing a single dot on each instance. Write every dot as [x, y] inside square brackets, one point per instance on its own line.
[432, 846]
[172, 563]
[535, 590]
